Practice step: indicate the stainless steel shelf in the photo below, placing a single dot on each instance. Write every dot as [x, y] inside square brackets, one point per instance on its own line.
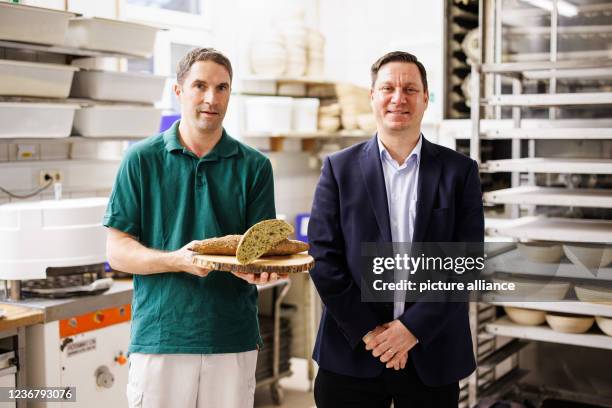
[504, 327]
[543, 31]
[540, 12]
[561, 56]
[520, 67]
[530, 128]
[501, 354]
[580, 73]
[545, 100]
[533, 195]
[574, 307]
[56, 49]
[514, 262]
[504, 384]
[556, 229]
[550, 165]
[549, 133]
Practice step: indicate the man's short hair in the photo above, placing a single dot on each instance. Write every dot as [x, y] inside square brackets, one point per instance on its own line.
[398, 56]
[201, 54]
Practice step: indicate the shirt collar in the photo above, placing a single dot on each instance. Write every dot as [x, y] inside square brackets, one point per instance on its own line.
[384, 153]
[225, 147]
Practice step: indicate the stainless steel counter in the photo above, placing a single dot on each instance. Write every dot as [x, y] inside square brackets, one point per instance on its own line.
[57, 309]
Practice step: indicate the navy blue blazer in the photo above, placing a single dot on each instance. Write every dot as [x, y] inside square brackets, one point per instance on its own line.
[350, 207]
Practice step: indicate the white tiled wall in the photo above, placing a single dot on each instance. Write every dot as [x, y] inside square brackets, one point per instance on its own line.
[88, 168]
[294, 183]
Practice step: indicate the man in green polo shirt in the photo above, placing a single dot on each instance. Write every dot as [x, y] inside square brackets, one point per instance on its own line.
[195, 332]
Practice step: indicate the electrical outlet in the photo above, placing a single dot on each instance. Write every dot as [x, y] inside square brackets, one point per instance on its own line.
[45, 175]
[26, 152]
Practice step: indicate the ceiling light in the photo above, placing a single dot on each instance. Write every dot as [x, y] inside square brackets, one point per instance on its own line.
[565, 8]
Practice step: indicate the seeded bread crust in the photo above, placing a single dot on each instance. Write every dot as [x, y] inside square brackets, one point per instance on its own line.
[261, 238]
[228, 244]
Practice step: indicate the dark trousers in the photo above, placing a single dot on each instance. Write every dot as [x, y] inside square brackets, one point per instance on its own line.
[403, 387]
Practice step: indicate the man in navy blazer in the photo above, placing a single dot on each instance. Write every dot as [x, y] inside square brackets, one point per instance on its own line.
[396, 187]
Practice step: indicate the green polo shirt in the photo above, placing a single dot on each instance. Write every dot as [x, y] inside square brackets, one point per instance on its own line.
[166, 196]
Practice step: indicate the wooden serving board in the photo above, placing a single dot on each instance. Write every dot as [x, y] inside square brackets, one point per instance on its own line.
[280, 264]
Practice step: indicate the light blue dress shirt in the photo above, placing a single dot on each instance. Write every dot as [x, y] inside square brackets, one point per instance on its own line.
[401, 183]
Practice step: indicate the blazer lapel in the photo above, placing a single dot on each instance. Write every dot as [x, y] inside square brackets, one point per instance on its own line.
[429, 174]
[371, 170]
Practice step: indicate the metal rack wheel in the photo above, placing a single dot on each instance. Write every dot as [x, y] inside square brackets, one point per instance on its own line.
[277, 393]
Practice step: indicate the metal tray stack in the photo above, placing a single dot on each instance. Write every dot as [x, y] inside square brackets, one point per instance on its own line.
[265, 359]
[461, 28]
[559, 189]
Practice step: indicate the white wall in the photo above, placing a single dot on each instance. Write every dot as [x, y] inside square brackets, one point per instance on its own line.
[357, 32]
[360, 31]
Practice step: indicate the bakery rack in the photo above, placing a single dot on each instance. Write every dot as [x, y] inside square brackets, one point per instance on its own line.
[538, 84]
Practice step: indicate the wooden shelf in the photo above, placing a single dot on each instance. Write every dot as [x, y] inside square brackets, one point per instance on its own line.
[550, 165]
[504, 327]
[289, 80]
[556, 229]
[533, 195]
[573, 307]
[310, 135]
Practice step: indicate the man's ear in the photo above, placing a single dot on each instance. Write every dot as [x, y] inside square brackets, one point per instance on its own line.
[177, 89]
[426, 96]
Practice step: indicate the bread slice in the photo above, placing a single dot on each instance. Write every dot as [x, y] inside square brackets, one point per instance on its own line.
[228, 245]
[261, 238]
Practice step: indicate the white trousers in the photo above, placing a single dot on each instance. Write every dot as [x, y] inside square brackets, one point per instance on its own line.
[192, 380]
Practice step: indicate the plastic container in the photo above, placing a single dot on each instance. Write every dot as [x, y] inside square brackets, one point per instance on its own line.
[33, 24]
[111, 35]
[118, 86]
[21, 78]
[117, 121]
[268, 114]
[35, 120]
[305, 112]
